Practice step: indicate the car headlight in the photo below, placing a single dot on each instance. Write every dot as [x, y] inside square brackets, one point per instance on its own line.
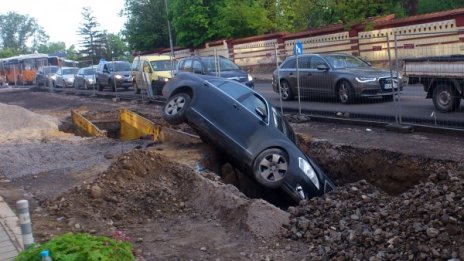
[53, 77]
[90, 80]
[250, 78]
[119, 77]
[366, 79]
[308, 171]
[163, 79]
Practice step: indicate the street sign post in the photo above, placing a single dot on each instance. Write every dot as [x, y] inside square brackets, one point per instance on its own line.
[298, 50]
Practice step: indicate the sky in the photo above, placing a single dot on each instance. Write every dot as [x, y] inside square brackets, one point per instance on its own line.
[61, 19]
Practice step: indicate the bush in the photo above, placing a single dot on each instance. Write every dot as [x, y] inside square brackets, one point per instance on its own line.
[80, 247]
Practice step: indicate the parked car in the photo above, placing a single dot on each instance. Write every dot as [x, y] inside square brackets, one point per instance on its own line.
[243, 124]
[117, 77]
[64, 77]
[151, 71]
[44, 73]
[85, 78]
[222, 67]
[333, 75]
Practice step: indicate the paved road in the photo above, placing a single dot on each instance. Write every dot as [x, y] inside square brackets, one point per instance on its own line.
[413, 107]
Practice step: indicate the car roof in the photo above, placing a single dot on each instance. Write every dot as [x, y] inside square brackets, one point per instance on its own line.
[155, 57]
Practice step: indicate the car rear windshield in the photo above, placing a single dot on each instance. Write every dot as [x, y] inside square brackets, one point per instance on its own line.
[164, 65]
[224, 64]
[345, 61]
[70, 71]
[89, 71]
[119, 66]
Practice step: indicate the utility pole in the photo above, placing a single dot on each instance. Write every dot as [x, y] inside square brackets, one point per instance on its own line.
[170, 38]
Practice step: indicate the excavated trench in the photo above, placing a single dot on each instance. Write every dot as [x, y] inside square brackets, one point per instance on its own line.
[391, 172]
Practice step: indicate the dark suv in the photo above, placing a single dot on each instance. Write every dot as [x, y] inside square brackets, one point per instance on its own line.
[221, 67]
[114, 74]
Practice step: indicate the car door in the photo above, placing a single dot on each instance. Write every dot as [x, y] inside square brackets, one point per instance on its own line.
[287, 72]
[321, 80]
[305, 75]
[59, 77]
[239, 120]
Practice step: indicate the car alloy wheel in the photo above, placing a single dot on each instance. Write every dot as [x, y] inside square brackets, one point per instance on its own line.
[174, 110]
[345, 92]
[286, 91]
[271, 167]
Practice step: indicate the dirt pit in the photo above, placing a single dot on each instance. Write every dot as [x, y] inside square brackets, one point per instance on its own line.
[173, 206]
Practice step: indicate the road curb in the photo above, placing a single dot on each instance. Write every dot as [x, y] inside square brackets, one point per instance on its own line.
[9, 223]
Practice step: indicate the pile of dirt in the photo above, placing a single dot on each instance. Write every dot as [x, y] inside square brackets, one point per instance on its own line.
[24, 124]
[145, 190]
[359, 222]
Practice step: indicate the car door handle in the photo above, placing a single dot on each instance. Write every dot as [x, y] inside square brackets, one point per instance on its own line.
[236, 106]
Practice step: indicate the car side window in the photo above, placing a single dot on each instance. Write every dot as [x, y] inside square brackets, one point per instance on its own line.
[188, 66]
[136, 64]
[289, 64]
[252, 102]
[304, 62]
[197, 68]
[146, 67]
[316, 61]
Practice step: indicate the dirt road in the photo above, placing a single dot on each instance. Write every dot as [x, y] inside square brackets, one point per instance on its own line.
[399, 196]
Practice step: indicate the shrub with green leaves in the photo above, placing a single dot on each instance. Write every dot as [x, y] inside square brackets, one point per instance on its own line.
[80, 247]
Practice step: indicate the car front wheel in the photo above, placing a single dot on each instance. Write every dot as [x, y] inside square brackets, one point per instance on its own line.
[174, 110]
[286, 91]
[270, 167]
[345, 92]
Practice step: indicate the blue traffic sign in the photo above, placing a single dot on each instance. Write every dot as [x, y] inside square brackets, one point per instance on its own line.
[298, 48]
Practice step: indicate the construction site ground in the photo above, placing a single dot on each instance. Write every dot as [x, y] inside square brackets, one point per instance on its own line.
[399, 196]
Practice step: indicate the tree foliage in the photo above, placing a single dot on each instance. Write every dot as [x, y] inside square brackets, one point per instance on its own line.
[93, 39]
[115, 47]
[16, 29]
[146, 25]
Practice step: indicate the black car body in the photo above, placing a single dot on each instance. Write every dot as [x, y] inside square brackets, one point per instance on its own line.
[243, 125]
[220, 67]
[114, 74]
[333, 75]
[44, 74]
[85, 78]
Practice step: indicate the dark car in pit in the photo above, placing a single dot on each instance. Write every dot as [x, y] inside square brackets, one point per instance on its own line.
[242, 124]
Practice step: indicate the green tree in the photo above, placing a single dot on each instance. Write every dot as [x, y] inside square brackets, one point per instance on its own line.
[93, 39]
[8, 52]
[146, 25]
[16, 30]
[239, 18]
[52, 47]
[116, 47]
[429, 6]
[191, 21]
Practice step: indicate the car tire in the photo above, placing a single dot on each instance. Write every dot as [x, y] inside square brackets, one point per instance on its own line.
[287, 94]
[345, 92]
[135, 87]
[445, 98]
[270, 167]
[174, 110]
[112, 85]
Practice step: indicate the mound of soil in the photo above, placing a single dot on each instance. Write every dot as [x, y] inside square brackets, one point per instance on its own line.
[154, 199]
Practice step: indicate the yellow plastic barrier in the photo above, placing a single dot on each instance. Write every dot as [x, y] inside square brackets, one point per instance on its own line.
[134, 126]
[86, 125]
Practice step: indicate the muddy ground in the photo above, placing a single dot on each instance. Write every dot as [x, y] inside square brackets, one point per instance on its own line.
[399, 196]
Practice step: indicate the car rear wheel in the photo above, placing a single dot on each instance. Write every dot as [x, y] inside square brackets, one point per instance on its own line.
[445, 98]
[345, 92]
[270, 167]
[135, 87]
[174, 110]
[287, 94]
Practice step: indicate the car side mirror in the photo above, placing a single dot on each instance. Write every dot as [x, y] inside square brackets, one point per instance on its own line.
[322, 67]
[262, 113]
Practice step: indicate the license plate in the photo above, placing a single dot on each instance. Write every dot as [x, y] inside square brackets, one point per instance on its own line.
[388, 86]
